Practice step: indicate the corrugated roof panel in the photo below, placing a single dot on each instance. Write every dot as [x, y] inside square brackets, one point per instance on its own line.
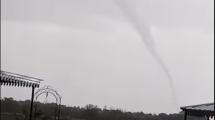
[203, 107]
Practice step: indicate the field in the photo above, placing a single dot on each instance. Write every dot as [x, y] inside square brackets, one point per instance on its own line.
[5, 116]
[9, 116]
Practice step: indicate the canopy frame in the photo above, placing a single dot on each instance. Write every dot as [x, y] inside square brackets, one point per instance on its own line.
[13, 79]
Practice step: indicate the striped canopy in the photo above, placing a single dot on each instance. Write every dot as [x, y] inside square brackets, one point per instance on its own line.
[12, 79]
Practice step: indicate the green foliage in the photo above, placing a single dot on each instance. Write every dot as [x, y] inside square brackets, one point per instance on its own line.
[20, 110]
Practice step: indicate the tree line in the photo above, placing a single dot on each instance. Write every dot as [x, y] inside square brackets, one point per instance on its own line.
[89, 112]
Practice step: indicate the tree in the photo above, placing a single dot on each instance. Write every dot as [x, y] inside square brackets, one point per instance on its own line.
[20, 110]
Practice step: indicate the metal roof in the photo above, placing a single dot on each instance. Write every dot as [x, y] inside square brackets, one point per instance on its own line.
[201, 110]
[203, 107]
[13, 79]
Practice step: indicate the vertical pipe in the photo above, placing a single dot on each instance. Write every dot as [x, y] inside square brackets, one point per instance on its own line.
[56, 108]
[35, 108]
[32, 101]
[59, 110]
[185, 115]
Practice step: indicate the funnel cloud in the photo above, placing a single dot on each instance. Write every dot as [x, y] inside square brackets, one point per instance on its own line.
[143, 30]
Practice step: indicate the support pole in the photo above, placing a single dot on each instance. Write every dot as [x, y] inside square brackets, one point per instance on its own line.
[35, 107]
[59, 111]
[56, 108]
[32, 101]
[185, 115]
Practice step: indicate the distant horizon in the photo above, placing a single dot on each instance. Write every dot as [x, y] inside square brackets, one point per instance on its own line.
[90, 52]
[108, 107]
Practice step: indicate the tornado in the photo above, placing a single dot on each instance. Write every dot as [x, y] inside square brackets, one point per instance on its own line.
[146, 36]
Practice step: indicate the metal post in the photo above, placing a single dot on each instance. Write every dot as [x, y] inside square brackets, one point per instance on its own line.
[185, 115]
[56, 108]
[59, 109]
[32, 101]
[59, 112]
[35, 107]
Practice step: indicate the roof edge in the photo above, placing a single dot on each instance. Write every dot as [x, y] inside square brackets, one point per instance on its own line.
[184, 107]
[21, 76]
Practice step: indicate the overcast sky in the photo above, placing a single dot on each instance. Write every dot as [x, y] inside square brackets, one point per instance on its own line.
[90, 53]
